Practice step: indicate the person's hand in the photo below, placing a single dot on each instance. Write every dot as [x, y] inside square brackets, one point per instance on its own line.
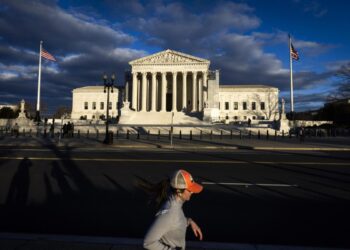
[195, 228]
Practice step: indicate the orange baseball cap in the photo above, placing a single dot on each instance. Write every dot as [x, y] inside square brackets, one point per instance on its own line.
[183, 180]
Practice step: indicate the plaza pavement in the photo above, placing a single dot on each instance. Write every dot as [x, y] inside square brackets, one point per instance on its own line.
[11, 241]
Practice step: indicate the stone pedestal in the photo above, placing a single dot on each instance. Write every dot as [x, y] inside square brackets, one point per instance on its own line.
[22, 121]
[283, 121]
[211, 114]
[284, 125]
[126, 106]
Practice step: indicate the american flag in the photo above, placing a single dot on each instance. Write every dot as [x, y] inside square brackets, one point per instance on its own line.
[293, 52]
[47, 55]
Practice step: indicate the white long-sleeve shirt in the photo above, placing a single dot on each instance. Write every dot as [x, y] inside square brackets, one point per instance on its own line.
[168, 230]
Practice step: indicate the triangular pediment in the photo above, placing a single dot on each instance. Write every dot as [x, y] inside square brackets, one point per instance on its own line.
[169, 57]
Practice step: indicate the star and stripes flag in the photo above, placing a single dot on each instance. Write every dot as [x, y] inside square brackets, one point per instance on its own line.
[47, 55]
[294, 53]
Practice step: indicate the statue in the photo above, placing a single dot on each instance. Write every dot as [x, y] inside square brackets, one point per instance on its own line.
[282, 108]
[21, 113]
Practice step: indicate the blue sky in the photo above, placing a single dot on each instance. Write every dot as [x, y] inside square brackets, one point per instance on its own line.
[246, 40]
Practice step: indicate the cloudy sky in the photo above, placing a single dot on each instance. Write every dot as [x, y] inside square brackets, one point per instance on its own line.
[246, 40]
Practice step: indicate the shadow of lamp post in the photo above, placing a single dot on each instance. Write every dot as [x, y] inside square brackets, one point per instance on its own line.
[108, 86]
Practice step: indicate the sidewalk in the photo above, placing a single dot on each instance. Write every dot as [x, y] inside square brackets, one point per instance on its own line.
[152, 142]
[9, 241]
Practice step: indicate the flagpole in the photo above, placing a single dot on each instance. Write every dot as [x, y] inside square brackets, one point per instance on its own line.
[39, 84]
[291, 75]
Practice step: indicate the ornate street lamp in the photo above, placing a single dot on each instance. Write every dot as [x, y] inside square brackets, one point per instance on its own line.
[108, 85]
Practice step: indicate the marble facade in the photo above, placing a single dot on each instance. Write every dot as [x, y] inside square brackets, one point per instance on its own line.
[171, 85]
[168, 81]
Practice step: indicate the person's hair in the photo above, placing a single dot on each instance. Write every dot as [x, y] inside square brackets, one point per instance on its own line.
[157, 192]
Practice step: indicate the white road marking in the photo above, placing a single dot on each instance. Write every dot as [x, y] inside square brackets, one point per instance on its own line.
[249, 184]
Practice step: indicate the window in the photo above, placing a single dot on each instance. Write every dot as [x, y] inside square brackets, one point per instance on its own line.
[244, 105]
[235, 105]
[244, 118]
[226, 106]
[236, 117]
[253, 105]
[86, 105]
[110, 105]
[262, 105]
[94, 105]
[102, 105]
[254, 117]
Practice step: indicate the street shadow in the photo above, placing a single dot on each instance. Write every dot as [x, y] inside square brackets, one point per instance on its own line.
[288, 168]
[19, 187]
[115, 184]
[60, 176]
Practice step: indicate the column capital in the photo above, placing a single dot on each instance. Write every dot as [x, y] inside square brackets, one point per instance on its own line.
[154, 73]
[184, 72]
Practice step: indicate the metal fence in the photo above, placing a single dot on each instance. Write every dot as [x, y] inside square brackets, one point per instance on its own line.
[168, 133]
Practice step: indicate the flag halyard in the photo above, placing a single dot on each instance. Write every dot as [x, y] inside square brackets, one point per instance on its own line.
[47, 55]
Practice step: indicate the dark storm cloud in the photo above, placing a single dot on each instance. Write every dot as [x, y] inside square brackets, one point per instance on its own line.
[174, 26]
[222, 35]
[84, 48]
[25, 23]
[87, 43]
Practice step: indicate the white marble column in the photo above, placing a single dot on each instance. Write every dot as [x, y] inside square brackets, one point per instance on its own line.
[174, 107]
[138, 105]
[126, 92]
[134, 91]
[144, 91]
[194, 91]
[184, 90]
[163, 108]
[205, 84]
[154, 87]
[200, 95]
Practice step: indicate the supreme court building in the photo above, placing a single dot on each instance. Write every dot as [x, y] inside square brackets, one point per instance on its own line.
[173, 85]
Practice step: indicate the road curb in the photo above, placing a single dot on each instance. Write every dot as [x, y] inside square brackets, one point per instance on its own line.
[137, 242]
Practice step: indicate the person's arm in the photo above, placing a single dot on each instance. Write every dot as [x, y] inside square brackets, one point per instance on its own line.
[160, 226]
[195, 228]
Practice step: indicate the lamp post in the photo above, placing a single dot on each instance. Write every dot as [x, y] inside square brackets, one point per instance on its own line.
[171, 129]
[107, 86]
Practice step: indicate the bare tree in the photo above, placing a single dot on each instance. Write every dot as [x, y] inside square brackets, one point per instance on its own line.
[61, 111]
[271, 106]
[343, 90]
[30, 109]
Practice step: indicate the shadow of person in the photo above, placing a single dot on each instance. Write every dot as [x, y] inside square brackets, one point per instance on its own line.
[19, 188]
[60, 176]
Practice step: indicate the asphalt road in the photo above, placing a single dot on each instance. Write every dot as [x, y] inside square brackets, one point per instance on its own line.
[269, 197]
